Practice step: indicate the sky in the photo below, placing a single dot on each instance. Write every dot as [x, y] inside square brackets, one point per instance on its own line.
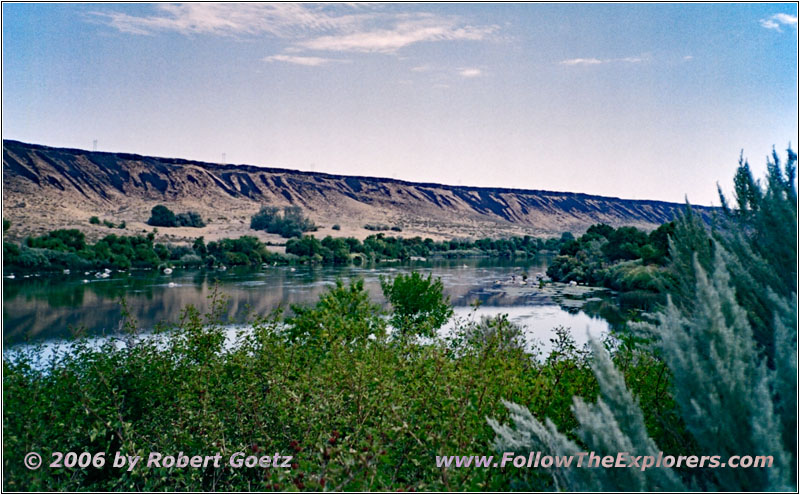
[638, 101]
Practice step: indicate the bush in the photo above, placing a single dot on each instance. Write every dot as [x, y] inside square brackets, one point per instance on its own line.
[419, 304]
[728, 336]
[336, 227]
[33, 259]
[190, 219]
[355, 410]
[94, 220]
[342, 313]
[307, 246]
[291, 224]
[161, 216]
[60, 240]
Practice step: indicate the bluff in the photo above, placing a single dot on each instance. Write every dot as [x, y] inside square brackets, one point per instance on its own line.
[46, 188]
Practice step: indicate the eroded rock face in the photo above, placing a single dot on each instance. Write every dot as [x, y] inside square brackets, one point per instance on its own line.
[55, 187]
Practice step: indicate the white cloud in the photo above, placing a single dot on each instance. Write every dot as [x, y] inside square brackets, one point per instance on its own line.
[634, 60]
[232, 19]
[470, 72]
[688, 57]
[410, 29]
[300, 60]
[776, 21]
[598, 61]
[788, 19]
[582, 61]
[322, 27]
[421, 68]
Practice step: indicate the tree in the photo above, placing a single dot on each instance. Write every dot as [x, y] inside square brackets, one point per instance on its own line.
[419, 304]
[305, 246]
[161, 216]
[199, 246]
[343, 313]
[291, 224]
[735, 292]
[189, 219]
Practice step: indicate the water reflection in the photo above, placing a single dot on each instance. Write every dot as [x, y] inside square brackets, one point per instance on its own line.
[49, 308]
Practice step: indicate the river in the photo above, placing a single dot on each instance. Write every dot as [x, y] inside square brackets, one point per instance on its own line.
[50, 308]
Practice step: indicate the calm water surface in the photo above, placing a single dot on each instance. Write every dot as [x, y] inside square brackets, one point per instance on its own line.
[50, 308]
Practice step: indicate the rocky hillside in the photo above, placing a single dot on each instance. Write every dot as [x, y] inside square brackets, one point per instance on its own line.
[46, 188]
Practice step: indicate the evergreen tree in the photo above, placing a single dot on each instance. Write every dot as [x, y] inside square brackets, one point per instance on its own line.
[728, 335]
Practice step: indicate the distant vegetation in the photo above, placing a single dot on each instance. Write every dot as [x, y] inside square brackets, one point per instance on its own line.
[624, 259]
[62, 249]
[161, 216]
[382, 227]
[291, 224]
[68, 249]
[111, 225]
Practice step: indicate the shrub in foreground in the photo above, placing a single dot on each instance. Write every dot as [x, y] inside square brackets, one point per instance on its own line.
[356, 408]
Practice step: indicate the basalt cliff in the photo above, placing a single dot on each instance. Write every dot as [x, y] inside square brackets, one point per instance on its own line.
[46, 188]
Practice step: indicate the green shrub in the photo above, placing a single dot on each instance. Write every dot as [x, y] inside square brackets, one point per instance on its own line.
[161, 216]
[419, 305]
[343, 313]
[357, 413]
[291, 224]
[189, 219]
[728, 336]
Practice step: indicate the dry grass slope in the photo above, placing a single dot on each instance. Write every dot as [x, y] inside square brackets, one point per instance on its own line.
[46, 188]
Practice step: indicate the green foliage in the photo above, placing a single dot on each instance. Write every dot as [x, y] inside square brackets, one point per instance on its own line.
[94, 220]
[291, 224]
[161, 216]
[343, 313]
[189, 219]
[336, 226]
[357, 413]
[306, 246]
[624, 259]
[419, 304]
[735, 292]
[246, 250]
[59, 240]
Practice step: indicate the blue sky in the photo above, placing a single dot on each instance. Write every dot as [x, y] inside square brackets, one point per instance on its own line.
[645, 101]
